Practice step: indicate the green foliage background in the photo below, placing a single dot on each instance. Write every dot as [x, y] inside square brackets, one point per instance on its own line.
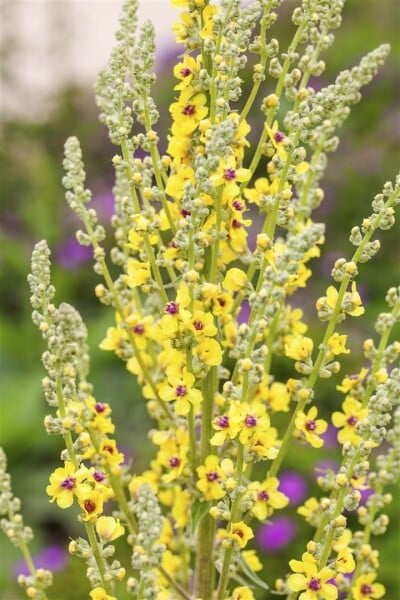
[32, 207]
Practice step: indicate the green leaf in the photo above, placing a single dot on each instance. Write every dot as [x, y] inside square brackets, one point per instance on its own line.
[251, 574]
[198, 510]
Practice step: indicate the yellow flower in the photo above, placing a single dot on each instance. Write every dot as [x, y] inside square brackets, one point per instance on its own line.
[307, 577]
[242, 593]
[65, 482]
[202, 323]
[180, 390]
[109, 529]
[348, 419]
[276, 397]
[240, 533]
[209, 352]
[185, 71]
[352, 381]
[311, 511]
[310, 427]
[266, 497]
[364, 587]
[235, 280]
[278, 140]
[181, 28]
[226, 426]
[208, 13]
[345, 562]
[261, 188]
[100, 594]
[251, 559]
[114, 340]
[188, 111]
[173, 452]
[298, 347]
[137, 272]
[91, 503]
[108, 450]
[210, 478]
[337, 345]
[228, 174]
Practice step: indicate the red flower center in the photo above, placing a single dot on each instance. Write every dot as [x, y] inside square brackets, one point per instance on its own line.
[352, 420]
[212, 476]
[262, 495]
[174, 461]
[366, 589]
[311, 425]
[189, 110]
[236, 204]
[238, 532]
[89, 505]
[185, 72]
[278, 137]
[139, 329]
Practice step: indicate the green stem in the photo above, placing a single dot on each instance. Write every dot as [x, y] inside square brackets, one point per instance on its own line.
[204, 567]
[235, 515]
[97, 556]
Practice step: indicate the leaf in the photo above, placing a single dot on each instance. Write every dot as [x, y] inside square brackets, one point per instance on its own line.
[251, 574]
[198, 510]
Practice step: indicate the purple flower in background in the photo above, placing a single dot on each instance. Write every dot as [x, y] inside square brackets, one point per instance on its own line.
[330, 437]
[70, 254]
[244, 313]
[276, 534]
[53, 558]
[103, 203]
[294, 486]
[322, 466]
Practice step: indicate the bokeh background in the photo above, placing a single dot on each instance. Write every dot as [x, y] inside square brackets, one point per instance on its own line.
[50, 54]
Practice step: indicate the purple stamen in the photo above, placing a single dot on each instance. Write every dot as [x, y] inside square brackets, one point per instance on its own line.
[223, 421]
[279, 137]
[68, 483]
[185, 72]
[189, 110]
[250, 421]
[180, 390]
[139, 329]
[311, 425]
[314, 585]
[172, 308]
[229, 174]
[212, 476]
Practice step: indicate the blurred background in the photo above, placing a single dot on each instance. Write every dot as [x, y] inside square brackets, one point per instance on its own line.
[51, 52]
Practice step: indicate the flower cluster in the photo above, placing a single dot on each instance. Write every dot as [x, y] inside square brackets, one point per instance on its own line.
[209, 231]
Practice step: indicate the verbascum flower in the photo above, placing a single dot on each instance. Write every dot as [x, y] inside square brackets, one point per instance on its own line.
[109, 529]
[310, 427]
[240, 533]
[364, 588]
[99, 593]
[307, 577]
[66, 482]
